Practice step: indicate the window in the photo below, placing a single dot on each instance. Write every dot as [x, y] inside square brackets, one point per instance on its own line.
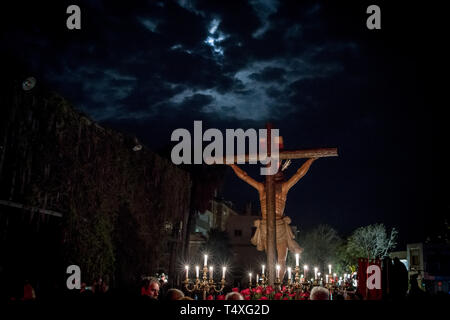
[237, 233]
[415, 257]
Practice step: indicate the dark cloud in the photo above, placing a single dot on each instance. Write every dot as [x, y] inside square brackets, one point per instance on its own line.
[179, 25]
[269, 74]
[238, 18]
[195, 102]
[313, 68]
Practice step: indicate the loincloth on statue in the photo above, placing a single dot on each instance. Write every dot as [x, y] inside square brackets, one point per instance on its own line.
[283, 233]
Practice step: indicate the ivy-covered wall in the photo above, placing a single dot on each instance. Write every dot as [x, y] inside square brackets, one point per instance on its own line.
[122, 209]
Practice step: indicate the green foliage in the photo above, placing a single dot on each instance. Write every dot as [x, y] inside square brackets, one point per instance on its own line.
[346, 260]
[90, 245]
[371, 242]
[320, 247]
[120, 208]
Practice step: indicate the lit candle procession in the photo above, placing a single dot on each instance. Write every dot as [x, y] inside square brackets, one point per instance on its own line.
[204, 285]
[295, 283]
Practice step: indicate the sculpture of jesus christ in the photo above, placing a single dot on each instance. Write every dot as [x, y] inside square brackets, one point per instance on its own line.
[284, 236]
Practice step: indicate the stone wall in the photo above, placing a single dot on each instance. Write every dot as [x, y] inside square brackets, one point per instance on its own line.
[124, 211]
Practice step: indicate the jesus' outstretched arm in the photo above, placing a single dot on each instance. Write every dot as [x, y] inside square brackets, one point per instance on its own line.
[298, 175]
[244, 176]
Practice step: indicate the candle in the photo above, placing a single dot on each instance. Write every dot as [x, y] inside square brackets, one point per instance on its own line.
[315, 272]
[326, 278]
[210, 272]
[187, 272]
[278, 270]
[257, 278]
[305, 269]
[263, 266]
[302, 279]
[289, 273]
[297, 257]
[197, 269]
[318, 274]
[206, 260]
[250, 277]
[345, 276]
[329, 269]
[223, 272]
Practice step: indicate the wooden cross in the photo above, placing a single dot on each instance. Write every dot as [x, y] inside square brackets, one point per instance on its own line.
[270, 193]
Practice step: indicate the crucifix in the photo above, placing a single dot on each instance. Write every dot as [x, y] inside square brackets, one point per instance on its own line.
[273, 233]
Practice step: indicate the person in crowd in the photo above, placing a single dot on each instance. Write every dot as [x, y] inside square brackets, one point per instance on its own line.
[94, 286]
[28, 292]
[153, 288]
[85, 291]
[337, 296]
[163, 285]
[144, 287]
[185, 298]
[150, 290]
[398, 280]
[234, 296]
[319, 293]
[99, 286]
[174, 294]
[415, 292]
[104, 287]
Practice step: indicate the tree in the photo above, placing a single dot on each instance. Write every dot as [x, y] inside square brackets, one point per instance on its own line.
[371, 242]
[320, 247]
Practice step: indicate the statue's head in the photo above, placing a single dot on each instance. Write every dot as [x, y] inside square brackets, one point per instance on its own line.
[279, 176]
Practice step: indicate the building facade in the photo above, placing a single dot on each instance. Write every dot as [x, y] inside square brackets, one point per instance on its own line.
[430, 262]
[216, 217]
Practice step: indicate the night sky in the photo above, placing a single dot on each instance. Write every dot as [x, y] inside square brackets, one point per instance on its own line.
[311, 68]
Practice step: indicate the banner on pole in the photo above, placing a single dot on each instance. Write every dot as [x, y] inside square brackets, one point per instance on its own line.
[369, 279]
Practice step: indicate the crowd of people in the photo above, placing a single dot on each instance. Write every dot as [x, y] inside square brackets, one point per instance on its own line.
[151, 291]
[154, 289]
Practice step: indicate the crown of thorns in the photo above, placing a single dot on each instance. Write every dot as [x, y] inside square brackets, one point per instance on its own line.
[285, 164]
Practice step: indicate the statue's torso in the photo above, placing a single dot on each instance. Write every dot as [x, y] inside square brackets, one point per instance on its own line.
[280, 201]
